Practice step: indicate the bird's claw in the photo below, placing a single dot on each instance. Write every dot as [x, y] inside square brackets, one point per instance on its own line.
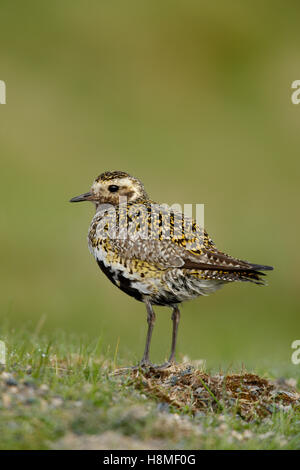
[165, 365]
[149, 365]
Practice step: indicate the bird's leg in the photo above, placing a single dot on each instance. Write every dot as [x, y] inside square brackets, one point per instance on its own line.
[150, 320]
[175, 319]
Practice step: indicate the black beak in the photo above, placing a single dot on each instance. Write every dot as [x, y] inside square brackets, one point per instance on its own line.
[82, 197]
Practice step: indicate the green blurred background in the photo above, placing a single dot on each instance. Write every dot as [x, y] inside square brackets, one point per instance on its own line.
[192, 97]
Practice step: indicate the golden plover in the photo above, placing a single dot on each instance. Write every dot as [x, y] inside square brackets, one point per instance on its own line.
[154, 253]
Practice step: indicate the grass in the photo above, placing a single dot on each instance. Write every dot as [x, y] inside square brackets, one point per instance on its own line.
[63, 392]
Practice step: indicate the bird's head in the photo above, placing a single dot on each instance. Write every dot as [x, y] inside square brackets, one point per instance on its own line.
[110, 186]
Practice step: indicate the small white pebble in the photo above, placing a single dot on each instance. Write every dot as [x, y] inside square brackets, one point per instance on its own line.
[237, 435]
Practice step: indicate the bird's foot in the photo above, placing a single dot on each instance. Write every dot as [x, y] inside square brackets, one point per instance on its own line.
[149, 365]
[143, 364]
[146, 365]
[163, 366]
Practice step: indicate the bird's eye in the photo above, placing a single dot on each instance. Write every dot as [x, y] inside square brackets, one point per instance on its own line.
[113, 188]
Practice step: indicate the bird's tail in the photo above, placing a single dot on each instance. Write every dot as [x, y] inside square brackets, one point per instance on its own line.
[260, 267]
[253, 273]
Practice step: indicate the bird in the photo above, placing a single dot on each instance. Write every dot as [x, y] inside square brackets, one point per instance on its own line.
[156, 253]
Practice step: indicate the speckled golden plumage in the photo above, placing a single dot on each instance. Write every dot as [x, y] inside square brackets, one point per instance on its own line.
[152, 252]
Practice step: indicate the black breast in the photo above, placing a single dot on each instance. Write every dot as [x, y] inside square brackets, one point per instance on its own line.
[123, 282]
